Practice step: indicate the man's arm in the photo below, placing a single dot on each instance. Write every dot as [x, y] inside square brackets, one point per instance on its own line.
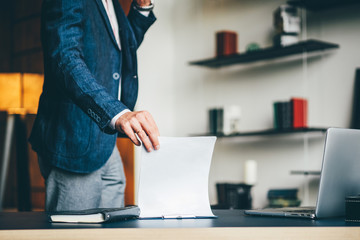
[63, 47]
[139, 124]
[140, 23]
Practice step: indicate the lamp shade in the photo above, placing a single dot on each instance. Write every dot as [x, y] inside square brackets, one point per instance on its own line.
[20, 92]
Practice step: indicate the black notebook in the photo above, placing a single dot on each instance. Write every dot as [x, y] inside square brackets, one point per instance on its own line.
[97, 215]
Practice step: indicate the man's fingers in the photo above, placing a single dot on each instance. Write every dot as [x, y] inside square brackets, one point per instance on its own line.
[152, 134]
[145, 140]
[137, 124]
[150, 119]
[150, 128]
[147, 137]
[130, 133]
[143, 125]
[141, 133]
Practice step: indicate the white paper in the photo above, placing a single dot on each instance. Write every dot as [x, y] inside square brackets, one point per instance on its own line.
[174, 179]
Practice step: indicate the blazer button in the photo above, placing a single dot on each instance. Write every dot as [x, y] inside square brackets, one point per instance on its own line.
[135, 77]
[116, 76]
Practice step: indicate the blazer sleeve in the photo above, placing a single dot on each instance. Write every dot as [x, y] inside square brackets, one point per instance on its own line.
[62, 28]
[140, 24]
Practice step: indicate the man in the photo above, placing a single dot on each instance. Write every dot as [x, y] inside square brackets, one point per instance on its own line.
[89, 93]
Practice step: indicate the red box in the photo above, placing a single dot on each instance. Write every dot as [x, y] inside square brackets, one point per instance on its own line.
[226, 43]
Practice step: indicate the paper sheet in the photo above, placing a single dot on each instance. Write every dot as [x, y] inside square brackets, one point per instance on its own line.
[174, 179]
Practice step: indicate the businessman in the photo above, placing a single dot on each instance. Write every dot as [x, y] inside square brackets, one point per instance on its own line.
[89, 93]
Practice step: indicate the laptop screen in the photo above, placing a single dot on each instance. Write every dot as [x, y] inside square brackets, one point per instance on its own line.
[340, 175]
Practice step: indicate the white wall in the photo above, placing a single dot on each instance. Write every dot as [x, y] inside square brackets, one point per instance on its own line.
[179, 95]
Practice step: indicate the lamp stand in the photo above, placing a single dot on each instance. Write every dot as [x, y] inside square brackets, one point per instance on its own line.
[15, 124]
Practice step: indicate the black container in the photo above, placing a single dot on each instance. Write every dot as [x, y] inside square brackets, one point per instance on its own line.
[352, 209]
[234, 196]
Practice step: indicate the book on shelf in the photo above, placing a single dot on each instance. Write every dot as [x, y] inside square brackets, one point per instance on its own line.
[283, 115]
[290, 114]
[225, 120]
[97, 215]
[299, 106]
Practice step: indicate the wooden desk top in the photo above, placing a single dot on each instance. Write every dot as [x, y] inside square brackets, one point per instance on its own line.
[230, 224]
[246, 233]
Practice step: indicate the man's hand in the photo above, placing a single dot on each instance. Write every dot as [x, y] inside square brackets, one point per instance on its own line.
[143, 3]
[143, 125]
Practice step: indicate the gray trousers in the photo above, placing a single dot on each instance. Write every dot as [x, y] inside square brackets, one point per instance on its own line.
[103, 188]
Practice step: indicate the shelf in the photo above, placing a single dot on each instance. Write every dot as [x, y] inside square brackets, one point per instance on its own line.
[317, 173]
[271, 132]
[266, 54]
[318, 5]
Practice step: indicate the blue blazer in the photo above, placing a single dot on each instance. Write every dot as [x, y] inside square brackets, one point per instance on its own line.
[82, 68]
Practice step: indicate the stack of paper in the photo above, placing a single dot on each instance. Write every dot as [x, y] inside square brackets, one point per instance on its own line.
[174, 179]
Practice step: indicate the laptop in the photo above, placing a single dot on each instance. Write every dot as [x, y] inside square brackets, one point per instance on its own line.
[340, 177]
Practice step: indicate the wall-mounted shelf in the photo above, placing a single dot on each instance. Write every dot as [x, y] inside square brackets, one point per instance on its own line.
[266, 54]
[271, 132]
[318, 5]
[297, 172]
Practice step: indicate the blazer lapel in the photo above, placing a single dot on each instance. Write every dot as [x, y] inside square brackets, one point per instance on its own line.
[126, 37]
[107, 21]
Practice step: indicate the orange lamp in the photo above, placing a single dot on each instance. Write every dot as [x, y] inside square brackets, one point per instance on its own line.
[20, 92]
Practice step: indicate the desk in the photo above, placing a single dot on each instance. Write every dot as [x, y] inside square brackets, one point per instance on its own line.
[230, 224]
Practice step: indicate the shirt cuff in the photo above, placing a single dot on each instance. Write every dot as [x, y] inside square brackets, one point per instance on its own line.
[144, 13]
[114, 119]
